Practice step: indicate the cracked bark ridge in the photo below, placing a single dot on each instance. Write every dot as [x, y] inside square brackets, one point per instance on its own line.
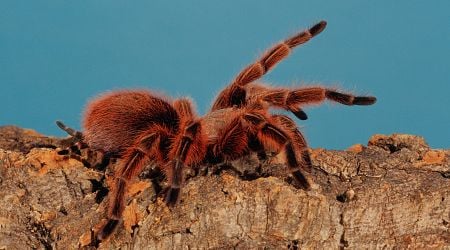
[394, 192]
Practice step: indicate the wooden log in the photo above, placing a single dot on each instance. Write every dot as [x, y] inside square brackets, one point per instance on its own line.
[392, 193]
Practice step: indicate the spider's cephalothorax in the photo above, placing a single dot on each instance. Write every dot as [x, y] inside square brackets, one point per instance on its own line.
[140, 127]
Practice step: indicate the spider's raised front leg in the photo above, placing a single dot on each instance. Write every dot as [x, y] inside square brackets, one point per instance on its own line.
[273, 96]
[293, 99]
[235, 94]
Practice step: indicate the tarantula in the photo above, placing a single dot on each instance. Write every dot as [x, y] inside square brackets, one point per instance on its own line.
[139, 127]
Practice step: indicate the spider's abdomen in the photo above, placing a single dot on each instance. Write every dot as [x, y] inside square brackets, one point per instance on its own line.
[114, 120]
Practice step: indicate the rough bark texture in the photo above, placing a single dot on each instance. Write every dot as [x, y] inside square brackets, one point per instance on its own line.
[394, 192]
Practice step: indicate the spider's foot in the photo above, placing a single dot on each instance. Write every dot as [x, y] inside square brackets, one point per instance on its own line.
[63, 151]
[317, 28]
[171, 196]
[301, 180]
[107, 229]
[364, 100]
[348, 99]
[299, 113]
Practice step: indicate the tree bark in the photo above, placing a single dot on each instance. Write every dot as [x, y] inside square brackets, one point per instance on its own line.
[392, 193]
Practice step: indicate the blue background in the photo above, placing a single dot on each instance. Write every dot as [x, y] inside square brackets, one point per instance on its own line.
[56, 55]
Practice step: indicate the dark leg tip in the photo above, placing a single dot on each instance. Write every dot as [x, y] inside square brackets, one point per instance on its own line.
[364, 100]
[61, 125]
[317, 28]
[63, 152]
[300, 114]
[172, 196]
[69, 131]
[301, 180]
[107, 229]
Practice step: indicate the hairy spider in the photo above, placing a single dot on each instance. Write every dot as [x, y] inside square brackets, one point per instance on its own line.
[139, 127]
